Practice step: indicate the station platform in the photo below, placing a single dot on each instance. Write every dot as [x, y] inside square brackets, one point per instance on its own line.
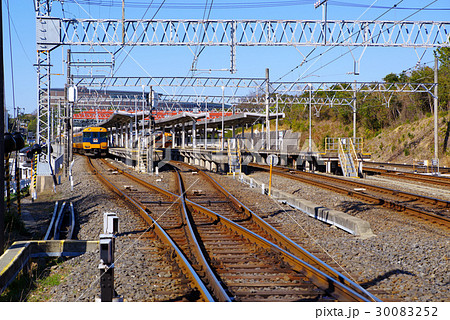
[217, 160]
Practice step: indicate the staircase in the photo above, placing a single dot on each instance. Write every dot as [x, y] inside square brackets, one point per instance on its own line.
[142, 162]
[234, 156]
[348, 158]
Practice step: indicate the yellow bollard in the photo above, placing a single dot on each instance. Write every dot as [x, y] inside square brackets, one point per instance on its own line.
[270, 178]
[34, 165]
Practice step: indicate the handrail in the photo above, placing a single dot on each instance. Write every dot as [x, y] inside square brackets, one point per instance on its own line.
[354, 156]
[343, 158]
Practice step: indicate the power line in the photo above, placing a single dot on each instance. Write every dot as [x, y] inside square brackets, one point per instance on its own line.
[340, 56]
[320, 55]
[225, 5]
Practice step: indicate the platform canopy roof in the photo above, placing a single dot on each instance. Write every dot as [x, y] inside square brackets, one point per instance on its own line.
[119, 118]
[184, 117]
[240, 119]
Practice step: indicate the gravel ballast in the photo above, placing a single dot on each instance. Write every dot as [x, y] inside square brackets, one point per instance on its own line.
[406, 260]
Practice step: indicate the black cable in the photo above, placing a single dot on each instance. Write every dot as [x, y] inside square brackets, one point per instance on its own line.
[243, 5]
[369, 39]
[197, 52]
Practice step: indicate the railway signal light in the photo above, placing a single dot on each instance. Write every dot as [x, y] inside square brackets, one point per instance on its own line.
[34, 149]
[20, 143]
[9, 143]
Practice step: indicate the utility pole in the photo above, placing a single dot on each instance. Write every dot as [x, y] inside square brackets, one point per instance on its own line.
[150, 150]
[323, 3]
[354, 114]
[123, 22]
[67, 128]
[2, 137]
[223, 129]
[267, 110]
[436, 144]
[310, 120]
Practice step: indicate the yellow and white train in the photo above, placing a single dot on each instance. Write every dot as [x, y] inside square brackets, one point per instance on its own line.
[92, 141]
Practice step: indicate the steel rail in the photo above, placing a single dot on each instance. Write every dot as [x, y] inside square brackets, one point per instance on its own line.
[162, 234]
[57, 231]
[346, 289]
[282, 240]
[72, 222]
[353, 183]
[215, 284]
[417, 177]
[322, 280]
[356, 194]
[52, 222]
[404, 165]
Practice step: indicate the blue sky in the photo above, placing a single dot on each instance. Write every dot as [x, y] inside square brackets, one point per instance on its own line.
[251, 61]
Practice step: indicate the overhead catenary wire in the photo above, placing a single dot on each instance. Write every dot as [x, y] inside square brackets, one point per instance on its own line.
[320, 55]
[229, 5]
[350, 50]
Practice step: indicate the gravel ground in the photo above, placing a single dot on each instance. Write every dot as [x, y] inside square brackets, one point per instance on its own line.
[407, 259]
[134, 267]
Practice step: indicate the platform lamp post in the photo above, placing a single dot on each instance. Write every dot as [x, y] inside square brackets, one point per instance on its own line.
[151, 101]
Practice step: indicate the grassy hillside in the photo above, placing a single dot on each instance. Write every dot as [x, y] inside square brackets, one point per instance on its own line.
[404, 143]
[412, 141]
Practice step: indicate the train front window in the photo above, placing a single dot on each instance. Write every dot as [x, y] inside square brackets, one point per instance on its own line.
[103, 134]
[86, 136]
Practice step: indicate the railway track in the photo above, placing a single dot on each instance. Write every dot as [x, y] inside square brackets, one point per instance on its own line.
[233, 255]
[428, 208]
[139, 196]
[433, 180]
[404, 167]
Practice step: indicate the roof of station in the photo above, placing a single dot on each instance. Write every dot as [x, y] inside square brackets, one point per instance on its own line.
[183, 117]
[238, 119]
[120, 118]
[241, 119]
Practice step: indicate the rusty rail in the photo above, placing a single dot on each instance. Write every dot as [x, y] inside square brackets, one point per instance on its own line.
[162, 234]
[417, 177]
[213, 281]
[311, 178]
[281, 239]
[327, 279]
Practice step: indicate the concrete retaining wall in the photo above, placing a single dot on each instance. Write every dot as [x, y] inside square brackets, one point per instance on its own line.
[17, 256]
